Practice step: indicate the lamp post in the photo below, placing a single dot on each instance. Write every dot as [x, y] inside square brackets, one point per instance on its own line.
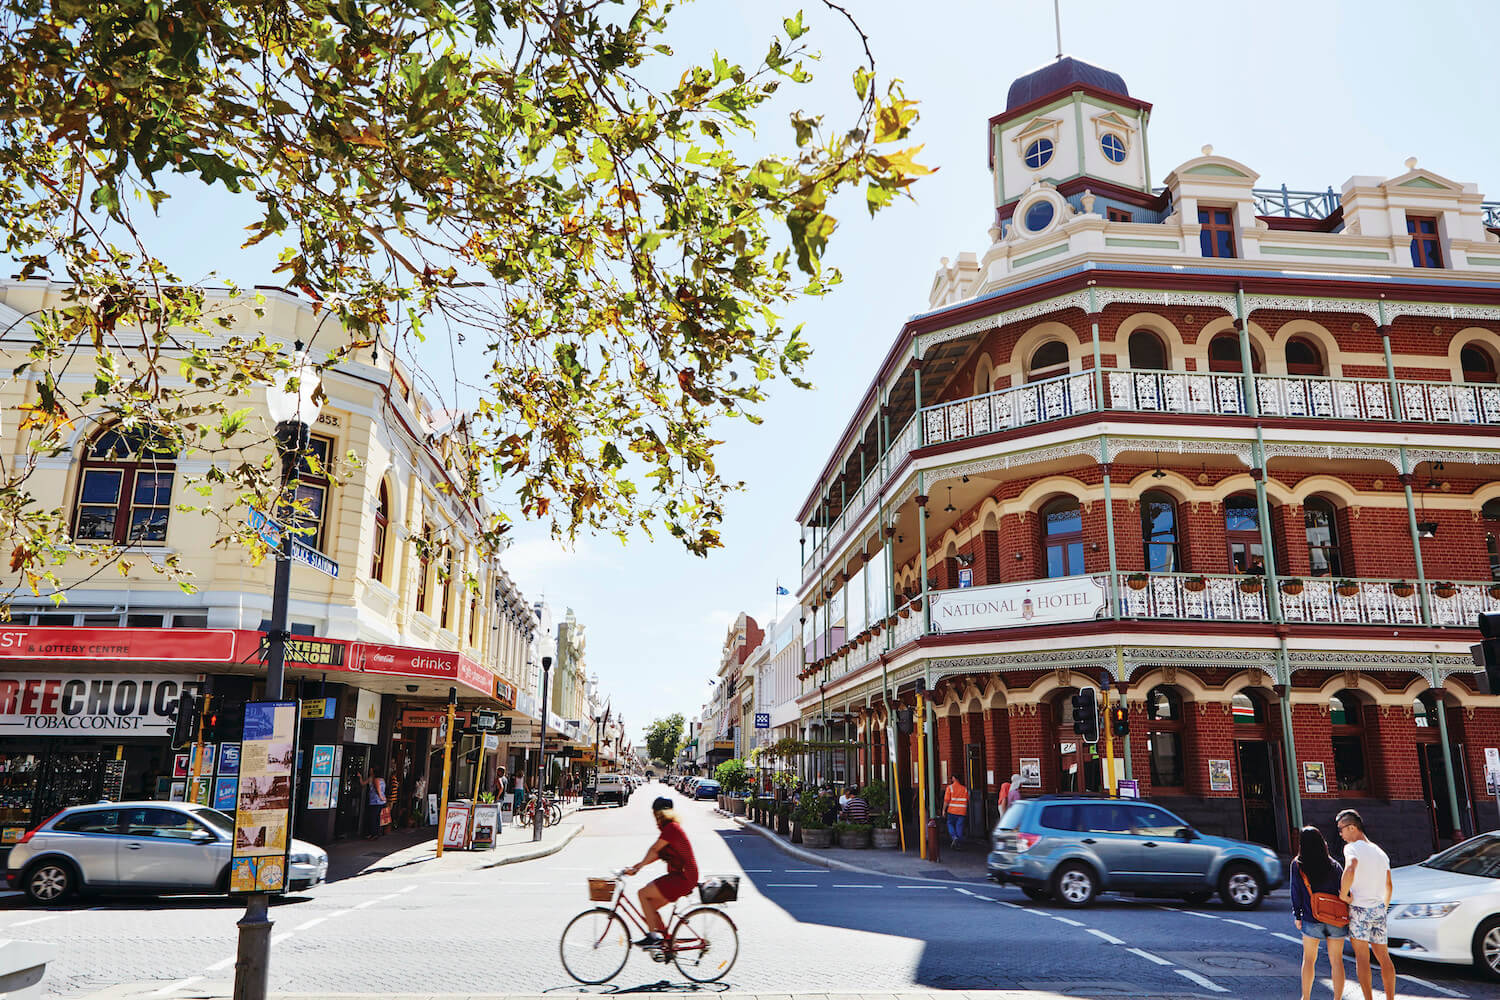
[291, 404]
[541, 752]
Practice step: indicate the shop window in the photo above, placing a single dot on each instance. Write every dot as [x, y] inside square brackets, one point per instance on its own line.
[1147, 352]
[1321, 527]
[1049, 360]
[312, 492]
[1303, 358]
[1224, 354]
[190, 621]
[382, 525]
[447, 585]
[1348, 742]
[145, 621]
[1477, 363]
[1164, 736]
[1216, 238]
[1425, 251]
[424, 566]
[124, 490]
[1062, 526]
[1247, 710]
[1242, 532]
[1159, 533]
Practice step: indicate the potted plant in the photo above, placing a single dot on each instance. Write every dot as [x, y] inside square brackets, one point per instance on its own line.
[1291, 586]
[905, 611]
[1445, 589]
[809, 816]
[1495, 591]
[1252, 585]
[1347, 588]
[1138, 581]
[784, 818]
[854, 836]
[1196, 584]
[1403, 589]
[883, 833]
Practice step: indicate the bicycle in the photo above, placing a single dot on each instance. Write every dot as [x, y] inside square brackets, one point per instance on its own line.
[703, 942]
[551, 815]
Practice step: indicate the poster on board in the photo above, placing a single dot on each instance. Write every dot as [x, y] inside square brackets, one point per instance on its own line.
[1031, 772]
[229, 759]
[320, 792]
[1220, 778]
[1314, 777]
[456, 825]
[322, 762]
[268, 756]
[225, 790]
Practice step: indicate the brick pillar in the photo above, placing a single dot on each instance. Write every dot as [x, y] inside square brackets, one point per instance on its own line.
[1031, 736]
[1312, 730]
[987, 558]
[1390, 758]
[1208, 731]
[1208, 548]
[1130, 547]
[1018, 536]
[1483, 730]
[997, 744]
[1140, 750]
[1289, 536]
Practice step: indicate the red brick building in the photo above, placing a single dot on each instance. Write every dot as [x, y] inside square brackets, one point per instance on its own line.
[1231, 450]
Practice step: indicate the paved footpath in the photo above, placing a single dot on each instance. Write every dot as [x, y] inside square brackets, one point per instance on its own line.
[446, 930]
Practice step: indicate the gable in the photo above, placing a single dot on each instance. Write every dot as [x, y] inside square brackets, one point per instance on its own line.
[1422, 182]
[1036, 127]
[1215, 170]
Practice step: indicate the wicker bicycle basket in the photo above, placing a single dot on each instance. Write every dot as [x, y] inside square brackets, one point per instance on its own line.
[601, 890]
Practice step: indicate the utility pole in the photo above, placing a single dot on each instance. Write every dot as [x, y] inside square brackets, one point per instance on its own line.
[922, 772]
[541, 753]
[447, 766]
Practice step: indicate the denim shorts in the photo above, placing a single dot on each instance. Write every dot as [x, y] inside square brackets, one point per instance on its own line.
[1318, 929]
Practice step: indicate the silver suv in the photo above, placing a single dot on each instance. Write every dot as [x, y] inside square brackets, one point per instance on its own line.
[1073, 847]
[153, 847]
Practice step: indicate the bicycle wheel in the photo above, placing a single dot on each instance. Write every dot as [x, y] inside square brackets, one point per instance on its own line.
[595, 945]
[705, 944]
[554, 814]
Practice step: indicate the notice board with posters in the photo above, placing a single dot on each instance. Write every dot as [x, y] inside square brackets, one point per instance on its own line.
[263, 804]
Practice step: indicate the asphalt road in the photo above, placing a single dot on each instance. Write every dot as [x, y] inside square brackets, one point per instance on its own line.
[802, 929]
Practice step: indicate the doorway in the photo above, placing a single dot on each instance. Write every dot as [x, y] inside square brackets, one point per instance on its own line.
[351, 791]
[979, 821]
[1435, 793]
[1258, 791]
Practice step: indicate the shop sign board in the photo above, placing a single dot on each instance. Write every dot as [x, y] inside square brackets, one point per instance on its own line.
[229, 759]
[72, 704]
[456, 825]
[1006, 605]
[486, 825]
[225, 790]
[762, 720]
[505, 693]
[320, 793]
[318, 708]
[263, 807]
[414, 718]
[486, 721]
[322, 762]
[366, 717]
[432, 664]
[311, 652]
[157, 645]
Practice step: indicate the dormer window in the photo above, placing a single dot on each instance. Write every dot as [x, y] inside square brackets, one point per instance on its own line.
[1113, 147]
[1038, 153]
[1217, 235]
[1425, 251]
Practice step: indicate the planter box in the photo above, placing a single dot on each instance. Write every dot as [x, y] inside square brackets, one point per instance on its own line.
[784, 825]
[817, 838]
[796, 835]
[885, 839]
[853, 839]
[737, 806]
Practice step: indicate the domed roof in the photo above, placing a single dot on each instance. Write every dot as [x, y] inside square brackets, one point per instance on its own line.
[1062, 74]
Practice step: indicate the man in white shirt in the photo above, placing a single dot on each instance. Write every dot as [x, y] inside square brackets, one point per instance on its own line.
[1367, 890]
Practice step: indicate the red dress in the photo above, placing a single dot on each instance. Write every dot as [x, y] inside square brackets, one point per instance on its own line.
[682, 868]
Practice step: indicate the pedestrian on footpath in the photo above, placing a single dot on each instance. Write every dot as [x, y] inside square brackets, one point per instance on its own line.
[518, 792]
[1015, 792]
[1366, 887]
[956, 807]
[374, 803]
[1316, 880]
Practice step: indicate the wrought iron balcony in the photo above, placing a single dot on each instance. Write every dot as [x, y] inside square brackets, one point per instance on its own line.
[1291, 204]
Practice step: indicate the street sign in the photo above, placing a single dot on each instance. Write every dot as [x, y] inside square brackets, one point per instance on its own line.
[762, 720]
[309, 556]
[486, 722]
[269, 531]
[318, 708]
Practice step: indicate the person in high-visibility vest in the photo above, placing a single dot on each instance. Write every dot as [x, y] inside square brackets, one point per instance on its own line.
[956, 807]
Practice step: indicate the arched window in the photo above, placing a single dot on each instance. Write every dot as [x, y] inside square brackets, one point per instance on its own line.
[312, 491]
[1224, 354]
[424, 566]
[984, 376]
[1164, 736]
[1159, 533]
[1062, 529]
[1147, 352]
[1048, 360]
[1348, 743]
[1424, 711]
[382, 523]
[124, 489]
[1242, 531]
[447, 584]
[1303, 357]
[1477, 363]
[1321, 525]
[1491, 514]
[1247, 709]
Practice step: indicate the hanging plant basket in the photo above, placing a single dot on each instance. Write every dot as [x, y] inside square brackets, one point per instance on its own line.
[1252, 586]
[1495, 591]
[917, 604]
[1196, 584]
[1402, 589]
[1347, 588]
[1445, 590]
[905, 611]
[1137, 581]
[1291, 587]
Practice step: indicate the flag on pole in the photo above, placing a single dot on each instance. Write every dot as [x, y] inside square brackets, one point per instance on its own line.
[782, 591]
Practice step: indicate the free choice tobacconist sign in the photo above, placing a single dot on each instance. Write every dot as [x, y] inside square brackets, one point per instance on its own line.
[1044, 602]
[90, 703]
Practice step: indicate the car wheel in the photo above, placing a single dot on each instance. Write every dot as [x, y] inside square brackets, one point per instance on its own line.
[1036, 892]
[1198, 898]
[1241, 887]
[1487, 948]
[49, 882]
[1075, 885]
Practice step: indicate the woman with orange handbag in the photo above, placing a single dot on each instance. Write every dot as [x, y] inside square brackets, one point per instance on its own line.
[1319, 913]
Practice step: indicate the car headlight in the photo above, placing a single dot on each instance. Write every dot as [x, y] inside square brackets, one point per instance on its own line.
[1423, 911]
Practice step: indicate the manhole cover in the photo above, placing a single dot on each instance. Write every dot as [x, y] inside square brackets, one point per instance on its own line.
[1236, 963]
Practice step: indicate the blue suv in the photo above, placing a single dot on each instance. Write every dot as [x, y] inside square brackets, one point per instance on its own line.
[1073, 847]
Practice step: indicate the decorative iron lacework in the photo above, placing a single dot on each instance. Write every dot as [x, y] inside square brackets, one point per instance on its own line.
[1142, 296]
[1343, 659]
[1298, 303]
[1390, 456]
[1239, 449]
[1073, 300]
[1417, 456]
[1441, 310]
[1136, 657]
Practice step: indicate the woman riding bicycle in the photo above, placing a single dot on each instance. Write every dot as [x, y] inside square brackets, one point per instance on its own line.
[682, 870]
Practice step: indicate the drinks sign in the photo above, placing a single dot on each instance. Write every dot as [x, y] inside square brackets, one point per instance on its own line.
[1007, 605]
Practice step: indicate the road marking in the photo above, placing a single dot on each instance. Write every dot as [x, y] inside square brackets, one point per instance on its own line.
[1244, 923]
[802, 871]
[315, 921]
[1286, 937]
[757, 871]
[851, 885]
[1006, 902]
[278, 938]
[1035, 913]
[222, 964]
[368, 902]
[337, 913]
[1208, 916]
[1207, 984]
[407, 889]
[1430, 986]
[1148, 956]
[966, 892]
[35, 920]
[1066, 920]
[939, 888]
[1107, 937]
[181, 984]
[790, 885]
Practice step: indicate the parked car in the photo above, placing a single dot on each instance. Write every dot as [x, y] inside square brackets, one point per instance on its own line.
[153, 847]
[1447, 908]
[611, 788]
[1073, 847]
[706, 788]
[688, 785]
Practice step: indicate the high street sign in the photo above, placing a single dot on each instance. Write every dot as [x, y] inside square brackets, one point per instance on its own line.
[271, 532]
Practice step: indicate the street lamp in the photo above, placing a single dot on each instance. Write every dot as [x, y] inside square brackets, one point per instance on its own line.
[292, 403]
[541, 752]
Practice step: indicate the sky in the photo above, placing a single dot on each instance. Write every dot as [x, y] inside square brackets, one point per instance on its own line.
[1306, 93]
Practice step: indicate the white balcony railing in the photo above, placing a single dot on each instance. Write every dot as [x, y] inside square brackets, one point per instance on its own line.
[1033, 403]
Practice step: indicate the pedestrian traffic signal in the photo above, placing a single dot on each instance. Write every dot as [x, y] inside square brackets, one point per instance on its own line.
[211, 725]
[1119, 721]
[184, 721]
[1086, 715]
[1486, 652]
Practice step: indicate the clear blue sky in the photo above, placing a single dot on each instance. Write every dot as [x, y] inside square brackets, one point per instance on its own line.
[1306, 93]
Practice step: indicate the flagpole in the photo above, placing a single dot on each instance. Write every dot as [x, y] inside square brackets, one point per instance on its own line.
[776, 615]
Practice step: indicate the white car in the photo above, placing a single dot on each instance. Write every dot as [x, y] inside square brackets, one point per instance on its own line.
[612, 788]
[1447, 909]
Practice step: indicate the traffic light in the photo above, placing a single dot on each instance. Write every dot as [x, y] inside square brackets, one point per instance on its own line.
[1086, 715]
[1486, 652]
[185, 721]
[211, 725]
[1119, 721]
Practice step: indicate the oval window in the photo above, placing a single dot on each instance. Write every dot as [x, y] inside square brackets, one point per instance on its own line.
[1039, 216]
[1038, 153]
[1113, 146]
